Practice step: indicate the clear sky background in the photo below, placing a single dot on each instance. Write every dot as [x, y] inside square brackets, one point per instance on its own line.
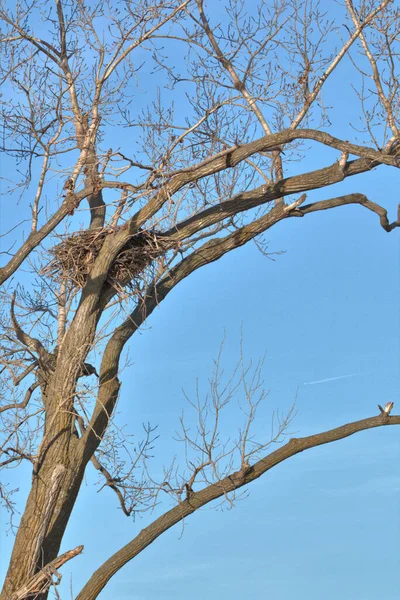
[326, 523]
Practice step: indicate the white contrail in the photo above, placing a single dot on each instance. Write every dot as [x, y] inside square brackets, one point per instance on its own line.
[330, 379]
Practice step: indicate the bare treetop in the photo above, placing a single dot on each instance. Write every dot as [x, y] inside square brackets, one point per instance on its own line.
[213, 83]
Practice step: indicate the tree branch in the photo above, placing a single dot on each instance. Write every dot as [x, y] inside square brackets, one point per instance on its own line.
[291, 185]
[110, 481]
[25, 401]
[266, 193]
[117, 60]
[230, 483]
[41, 582]
[352, 199]
[26, 340]
[34, 239]
[375, 71]
[210, 252]
[318, 86]
[228, 158]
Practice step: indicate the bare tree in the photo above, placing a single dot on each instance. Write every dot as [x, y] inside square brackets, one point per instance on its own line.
[208, 167]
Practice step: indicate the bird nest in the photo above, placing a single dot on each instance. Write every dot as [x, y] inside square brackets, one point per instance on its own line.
[75, 255]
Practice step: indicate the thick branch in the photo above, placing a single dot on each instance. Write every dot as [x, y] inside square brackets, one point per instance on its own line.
[210, 251]
[231, 483]
[275, 141]
[234, 156]
[267, 193]
[352, 199]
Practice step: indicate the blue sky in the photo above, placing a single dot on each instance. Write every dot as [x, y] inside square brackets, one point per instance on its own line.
[325, 523]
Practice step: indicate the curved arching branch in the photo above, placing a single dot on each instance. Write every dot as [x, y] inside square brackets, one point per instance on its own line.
[232, 482]
[210, 252]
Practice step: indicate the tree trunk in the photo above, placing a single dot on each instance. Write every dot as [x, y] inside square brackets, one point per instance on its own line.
[62, 457]
[52, 497]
